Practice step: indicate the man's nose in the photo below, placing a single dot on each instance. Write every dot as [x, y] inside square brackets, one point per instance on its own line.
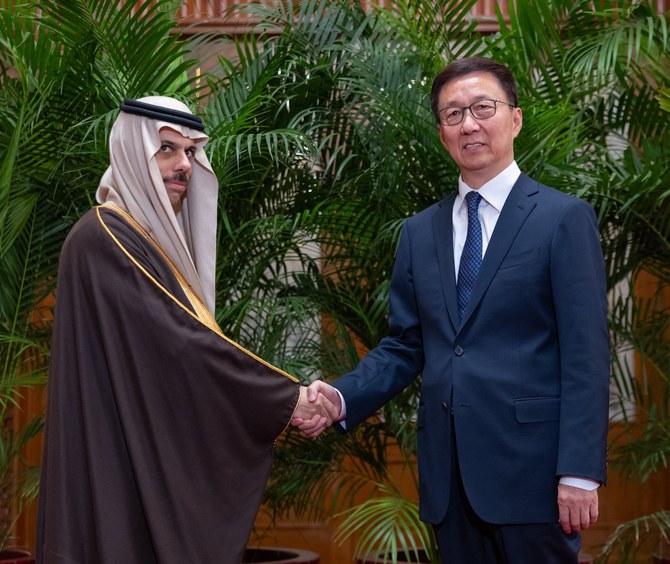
[183, 162]
[470, 122]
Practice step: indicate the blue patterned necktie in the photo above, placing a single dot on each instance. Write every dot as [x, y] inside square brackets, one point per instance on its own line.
[471, 259]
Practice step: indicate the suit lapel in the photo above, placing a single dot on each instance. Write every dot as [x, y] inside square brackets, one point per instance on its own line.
[443, 232]
[513, 215]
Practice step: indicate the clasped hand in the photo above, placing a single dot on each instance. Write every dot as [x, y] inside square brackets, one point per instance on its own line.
[319, 406]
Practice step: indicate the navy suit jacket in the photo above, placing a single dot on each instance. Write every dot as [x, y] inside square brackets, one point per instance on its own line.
[524, 377]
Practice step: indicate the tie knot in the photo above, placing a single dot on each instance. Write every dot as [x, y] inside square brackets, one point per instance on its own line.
[472, 199]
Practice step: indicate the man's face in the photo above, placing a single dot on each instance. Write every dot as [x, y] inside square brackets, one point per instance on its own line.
[481, 148]
[175, 160]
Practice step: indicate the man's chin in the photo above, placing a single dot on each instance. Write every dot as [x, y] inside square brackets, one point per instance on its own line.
[176, 204]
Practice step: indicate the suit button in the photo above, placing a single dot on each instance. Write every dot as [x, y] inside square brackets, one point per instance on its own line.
[445, 406]
[459, 350]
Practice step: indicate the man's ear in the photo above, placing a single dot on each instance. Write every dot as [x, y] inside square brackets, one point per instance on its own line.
[517, 120]
[440, 130]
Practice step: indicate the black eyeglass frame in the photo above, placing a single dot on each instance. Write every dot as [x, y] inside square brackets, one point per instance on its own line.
[463, 108]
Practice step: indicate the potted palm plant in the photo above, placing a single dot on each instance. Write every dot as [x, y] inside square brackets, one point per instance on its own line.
[328, 77]
[24, 269]
[299, 119]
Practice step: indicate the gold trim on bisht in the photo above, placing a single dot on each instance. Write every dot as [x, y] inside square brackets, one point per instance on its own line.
[200, 311]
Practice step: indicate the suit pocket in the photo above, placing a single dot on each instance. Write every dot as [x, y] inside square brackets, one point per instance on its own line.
[521, 258]
[537, 410]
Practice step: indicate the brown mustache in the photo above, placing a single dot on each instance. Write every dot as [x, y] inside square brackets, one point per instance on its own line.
[179, 177]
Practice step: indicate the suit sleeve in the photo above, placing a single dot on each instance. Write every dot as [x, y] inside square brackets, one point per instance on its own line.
[580, 298]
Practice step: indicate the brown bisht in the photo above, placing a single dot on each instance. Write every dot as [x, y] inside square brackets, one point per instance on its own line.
[160, 430]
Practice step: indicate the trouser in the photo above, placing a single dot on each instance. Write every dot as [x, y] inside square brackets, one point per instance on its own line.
[463, 538]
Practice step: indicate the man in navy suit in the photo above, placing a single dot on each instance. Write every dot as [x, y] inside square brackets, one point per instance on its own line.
[512, 421]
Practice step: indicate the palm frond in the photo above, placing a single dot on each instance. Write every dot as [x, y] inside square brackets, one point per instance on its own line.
[629, 538]
[388, 525]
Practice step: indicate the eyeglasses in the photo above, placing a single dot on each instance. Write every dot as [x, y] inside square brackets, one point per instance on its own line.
[481, 109]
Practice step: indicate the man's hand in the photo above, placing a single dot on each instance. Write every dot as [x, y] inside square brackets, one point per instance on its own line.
[315, 414]
[318, 408]
[577, 508]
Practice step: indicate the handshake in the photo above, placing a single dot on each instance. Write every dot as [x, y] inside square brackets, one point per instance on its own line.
[319, 406]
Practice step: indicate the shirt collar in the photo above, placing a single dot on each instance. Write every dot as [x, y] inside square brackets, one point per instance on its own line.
[496, 190]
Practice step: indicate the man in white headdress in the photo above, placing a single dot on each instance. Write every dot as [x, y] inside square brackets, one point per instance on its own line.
[160, 430]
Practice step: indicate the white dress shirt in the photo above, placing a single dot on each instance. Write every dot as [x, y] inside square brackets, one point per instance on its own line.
[494, 194]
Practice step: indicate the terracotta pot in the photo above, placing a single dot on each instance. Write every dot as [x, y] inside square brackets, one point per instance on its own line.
[423, 558]
[274, 555]
[662, 553]
[379, 558]
[251, 556]
[16, 556]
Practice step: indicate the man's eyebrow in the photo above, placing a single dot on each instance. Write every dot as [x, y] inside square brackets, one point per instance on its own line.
[477, 98]
[173, 144]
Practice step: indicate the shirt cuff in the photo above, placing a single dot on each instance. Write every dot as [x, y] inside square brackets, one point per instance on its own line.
[582, 483]
[343, 409]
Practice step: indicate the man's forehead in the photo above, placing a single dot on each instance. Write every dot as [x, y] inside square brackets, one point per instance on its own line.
[471, 88]
[167, 133]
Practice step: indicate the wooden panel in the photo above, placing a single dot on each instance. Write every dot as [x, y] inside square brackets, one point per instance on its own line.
[211, 14]
[32, 403]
